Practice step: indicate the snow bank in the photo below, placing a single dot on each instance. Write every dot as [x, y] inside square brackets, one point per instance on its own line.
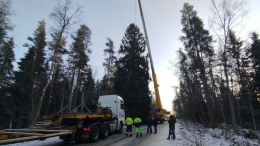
[197, 134]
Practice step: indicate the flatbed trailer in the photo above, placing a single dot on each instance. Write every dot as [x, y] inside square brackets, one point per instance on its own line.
[85, 125]
[69, 127]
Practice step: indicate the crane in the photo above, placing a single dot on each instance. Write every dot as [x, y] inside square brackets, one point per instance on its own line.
[159, 111]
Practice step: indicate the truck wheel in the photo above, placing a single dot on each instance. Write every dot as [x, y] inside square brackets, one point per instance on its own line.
[66, 138]
[95, 134]
[105, 132]
[120, 130]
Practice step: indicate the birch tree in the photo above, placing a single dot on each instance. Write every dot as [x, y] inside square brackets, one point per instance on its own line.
[227, 15]
[64, 20]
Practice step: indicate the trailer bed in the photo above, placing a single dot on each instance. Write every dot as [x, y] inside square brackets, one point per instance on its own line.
[77, 116]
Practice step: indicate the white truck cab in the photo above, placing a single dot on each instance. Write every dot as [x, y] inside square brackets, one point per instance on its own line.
[116, 104]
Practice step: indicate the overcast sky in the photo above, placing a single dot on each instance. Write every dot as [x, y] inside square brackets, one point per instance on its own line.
[110, 18]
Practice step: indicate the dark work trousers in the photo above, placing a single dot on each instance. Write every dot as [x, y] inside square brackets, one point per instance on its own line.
[171, 132]
[149, 127]
[128, 129]
[155, 129]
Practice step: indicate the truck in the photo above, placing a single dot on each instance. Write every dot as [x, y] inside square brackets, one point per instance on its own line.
[93, 122]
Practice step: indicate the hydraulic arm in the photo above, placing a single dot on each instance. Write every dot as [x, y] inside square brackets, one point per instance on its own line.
[159, 109]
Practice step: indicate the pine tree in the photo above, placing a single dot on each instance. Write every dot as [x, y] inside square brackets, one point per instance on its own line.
[132, 76]
[5, 21]
[109, 64]
[197, 42]
[78, 60]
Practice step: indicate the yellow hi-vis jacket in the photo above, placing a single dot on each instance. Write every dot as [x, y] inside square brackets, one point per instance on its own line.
[129, 121]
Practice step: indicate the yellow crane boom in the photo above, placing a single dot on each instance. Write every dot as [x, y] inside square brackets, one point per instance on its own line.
[159, 111]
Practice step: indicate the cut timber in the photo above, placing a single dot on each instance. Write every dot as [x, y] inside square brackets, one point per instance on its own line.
[37, 130]
[20, 133]
[30, 134]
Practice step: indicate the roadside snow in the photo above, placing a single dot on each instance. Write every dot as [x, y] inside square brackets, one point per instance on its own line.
[46, 142]
[196, 134]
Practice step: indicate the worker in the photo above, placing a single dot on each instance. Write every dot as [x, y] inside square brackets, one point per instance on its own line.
[154, 123]
[128, 123]
[138, 123]
[149, 123]
[171, 122]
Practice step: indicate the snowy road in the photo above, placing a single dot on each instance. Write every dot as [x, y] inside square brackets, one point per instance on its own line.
[188, 135]
[115, 139]
[158, 139]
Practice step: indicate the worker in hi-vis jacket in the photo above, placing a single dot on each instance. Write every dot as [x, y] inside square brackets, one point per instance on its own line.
[138, 123]
[128, 123]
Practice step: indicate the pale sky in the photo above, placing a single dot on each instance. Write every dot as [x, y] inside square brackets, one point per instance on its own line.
[110, 18]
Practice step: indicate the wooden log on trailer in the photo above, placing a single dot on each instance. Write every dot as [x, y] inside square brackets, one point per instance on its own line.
[30, 134]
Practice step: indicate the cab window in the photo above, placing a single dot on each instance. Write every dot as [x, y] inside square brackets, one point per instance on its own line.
[122, 106]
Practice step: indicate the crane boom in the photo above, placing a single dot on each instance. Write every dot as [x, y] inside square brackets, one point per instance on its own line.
[158, 99]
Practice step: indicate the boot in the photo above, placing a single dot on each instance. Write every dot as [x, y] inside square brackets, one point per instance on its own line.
[130, 135]
[137, 135]
[126, 134]
[168, 138]
[141, 134]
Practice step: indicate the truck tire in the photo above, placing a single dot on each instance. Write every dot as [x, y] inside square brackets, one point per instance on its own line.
[120, 130]
[95, 133]
[66, 138]
[105, 132]
[162, 120]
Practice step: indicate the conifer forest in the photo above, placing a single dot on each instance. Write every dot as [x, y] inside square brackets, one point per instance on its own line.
[218, 71]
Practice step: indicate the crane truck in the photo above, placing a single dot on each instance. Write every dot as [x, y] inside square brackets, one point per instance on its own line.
[94, 121]
[159, 111]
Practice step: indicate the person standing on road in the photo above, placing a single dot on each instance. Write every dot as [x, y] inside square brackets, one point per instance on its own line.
[138, 123]
[171, 122]
[154, 119]
[128, 123]
[149, 122]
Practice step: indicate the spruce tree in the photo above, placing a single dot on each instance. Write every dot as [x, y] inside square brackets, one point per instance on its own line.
[6, 66]
[132, 76]
[6, 81]
[89, 88]
[31, 76]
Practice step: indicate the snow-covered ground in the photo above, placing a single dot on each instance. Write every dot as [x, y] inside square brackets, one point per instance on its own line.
[187, 134]
[196, 134]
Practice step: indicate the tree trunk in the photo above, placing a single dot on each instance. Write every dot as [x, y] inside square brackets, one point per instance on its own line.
[49, 98]
[238, 110]
[71, 91]
[250, 92]
[229, 95]
[206, 92]
[62, 97]
[11, 122]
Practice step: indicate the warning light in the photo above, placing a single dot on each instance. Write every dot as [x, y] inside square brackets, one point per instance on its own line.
[86, 129]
